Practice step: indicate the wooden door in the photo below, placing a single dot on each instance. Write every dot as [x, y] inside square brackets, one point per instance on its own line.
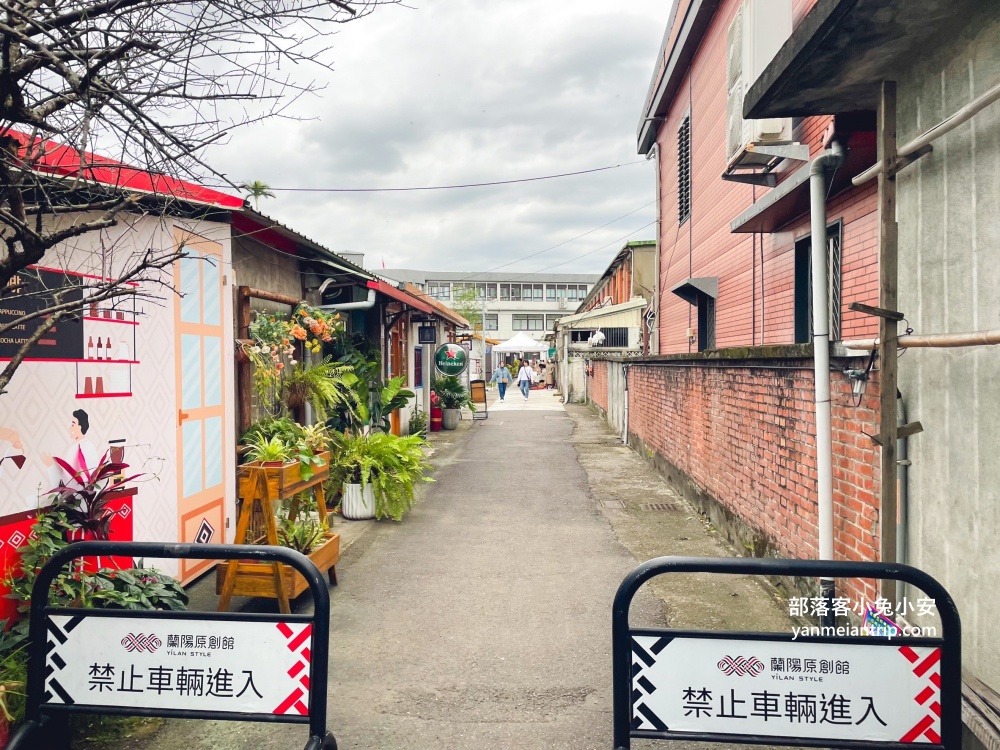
[201, 394]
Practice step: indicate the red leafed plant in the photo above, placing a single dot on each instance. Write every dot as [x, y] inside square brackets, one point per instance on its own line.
[84, 499]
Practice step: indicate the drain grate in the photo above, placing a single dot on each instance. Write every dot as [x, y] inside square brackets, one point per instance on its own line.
[659, 506]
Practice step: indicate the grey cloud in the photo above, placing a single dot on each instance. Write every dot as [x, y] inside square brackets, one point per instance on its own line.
[465, 92]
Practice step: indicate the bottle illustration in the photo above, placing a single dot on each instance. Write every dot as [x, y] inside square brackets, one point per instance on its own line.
[107, 349]
[90, 347]
[100, 348]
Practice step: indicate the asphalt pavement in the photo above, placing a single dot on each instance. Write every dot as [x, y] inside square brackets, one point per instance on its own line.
[480, 622]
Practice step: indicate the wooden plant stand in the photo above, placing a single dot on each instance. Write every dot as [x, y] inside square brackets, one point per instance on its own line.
[261, 489]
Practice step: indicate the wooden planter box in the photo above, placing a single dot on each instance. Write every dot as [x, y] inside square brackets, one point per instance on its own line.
[257, 579]
[282, 481]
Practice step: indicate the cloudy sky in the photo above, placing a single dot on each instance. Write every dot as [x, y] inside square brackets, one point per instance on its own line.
[460, 91]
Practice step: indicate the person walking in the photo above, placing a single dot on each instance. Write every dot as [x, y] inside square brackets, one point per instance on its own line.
[501, 376]
[524, 378]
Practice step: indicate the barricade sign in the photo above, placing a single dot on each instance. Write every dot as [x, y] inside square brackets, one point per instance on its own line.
[193, 665]
[477, 393]
[781, 688]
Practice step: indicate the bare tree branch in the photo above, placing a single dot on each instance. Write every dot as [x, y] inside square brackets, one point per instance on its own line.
[151, 82]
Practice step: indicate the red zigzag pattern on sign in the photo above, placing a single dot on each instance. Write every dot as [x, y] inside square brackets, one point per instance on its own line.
[925, 727]
[299, 644]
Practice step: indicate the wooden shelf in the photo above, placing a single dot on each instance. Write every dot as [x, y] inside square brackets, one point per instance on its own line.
[260, 488]
[112, 320]
[104, 395]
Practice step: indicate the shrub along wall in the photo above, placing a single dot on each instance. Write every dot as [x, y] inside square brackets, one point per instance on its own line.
[736, 437]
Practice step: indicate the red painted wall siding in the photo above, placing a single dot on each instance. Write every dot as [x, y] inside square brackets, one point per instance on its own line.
[704, 245]
[618, 287]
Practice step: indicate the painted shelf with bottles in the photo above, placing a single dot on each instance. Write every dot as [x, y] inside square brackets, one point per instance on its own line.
[110, 331]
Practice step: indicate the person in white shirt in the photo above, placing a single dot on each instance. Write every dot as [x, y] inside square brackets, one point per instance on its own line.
[524, 377]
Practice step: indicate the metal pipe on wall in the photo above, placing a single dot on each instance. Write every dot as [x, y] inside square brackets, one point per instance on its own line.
[625, 419]
[933, 340]
[962, 116]
[821, 354]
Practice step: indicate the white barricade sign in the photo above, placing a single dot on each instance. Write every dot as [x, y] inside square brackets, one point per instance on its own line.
[176, 663]
[875, 692]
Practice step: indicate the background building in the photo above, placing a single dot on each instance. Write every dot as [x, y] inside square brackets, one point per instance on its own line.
[515, 303]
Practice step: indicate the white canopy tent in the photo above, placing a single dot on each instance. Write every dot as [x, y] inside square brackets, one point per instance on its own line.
[521, 342]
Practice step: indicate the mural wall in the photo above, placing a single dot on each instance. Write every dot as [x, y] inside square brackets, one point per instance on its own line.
[151, 378]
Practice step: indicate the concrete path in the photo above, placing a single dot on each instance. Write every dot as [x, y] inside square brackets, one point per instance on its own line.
[482, 621]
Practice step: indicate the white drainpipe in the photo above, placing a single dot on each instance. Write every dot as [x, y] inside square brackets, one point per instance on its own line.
[829, 160]
[367, 304]
[625, 430]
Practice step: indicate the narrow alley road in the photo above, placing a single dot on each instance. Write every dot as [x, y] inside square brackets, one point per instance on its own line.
[482, 622]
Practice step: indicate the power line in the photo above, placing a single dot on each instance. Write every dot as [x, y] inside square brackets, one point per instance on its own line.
[566, 242]
[449, 187]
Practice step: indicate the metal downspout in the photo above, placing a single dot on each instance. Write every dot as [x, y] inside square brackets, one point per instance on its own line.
[902, 478]
[828, 160]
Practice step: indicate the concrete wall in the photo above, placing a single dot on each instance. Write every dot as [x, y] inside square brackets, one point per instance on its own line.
[616, 396]
[575, 380]
[949, 274]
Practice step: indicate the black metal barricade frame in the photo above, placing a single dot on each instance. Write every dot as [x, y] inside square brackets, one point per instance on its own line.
[36, 712]
[949, 644]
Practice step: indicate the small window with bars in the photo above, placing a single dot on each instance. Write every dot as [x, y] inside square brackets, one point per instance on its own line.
[684, 171]
[706, 322]
[803, 285]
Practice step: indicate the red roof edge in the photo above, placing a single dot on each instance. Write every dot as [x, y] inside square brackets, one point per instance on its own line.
[65, 161]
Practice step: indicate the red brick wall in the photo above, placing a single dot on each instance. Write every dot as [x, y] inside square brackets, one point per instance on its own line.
[744, 436]
[597, 386]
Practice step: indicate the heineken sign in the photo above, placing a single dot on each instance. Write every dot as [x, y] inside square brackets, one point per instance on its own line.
[451, 359]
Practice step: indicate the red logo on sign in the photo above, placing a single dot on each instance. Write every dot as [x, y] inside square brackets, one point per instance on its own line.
[741, 665]
[141, 642]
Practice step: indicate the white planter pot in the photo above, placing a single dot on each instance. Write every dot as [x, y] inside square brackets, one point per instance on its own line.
[450, 418]
[357, 505]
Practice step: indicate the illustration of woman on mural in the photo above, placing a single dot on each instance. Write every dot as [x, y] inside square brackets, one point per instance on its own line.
[80, 454]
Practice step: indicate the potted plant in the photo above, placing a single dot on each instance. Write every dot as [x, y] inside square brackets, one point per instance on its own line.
[379, 473]
[84, 499]
[452, 397]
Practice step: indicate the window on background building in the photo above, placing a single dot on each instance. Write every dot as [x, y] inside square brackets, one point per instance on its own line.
[684, 171]
[550, 292]
[505, 292]
[528, 322]
[492, 322]
[582, 290]
[480, 291]
[439, 289]
[803, 285]
[550, 322]
[571, 291]
[491, 291]
[418, 367]
[515, 292]
[537, 291]
[561, 291]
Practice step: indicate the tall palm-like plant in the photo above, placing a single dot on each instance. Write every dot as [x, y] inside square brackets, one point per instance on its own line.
[257, 190]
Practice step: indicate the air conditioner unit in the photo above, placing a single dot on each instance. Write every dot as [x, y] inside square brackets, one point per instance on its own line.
[756, 33]
[563, 303]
